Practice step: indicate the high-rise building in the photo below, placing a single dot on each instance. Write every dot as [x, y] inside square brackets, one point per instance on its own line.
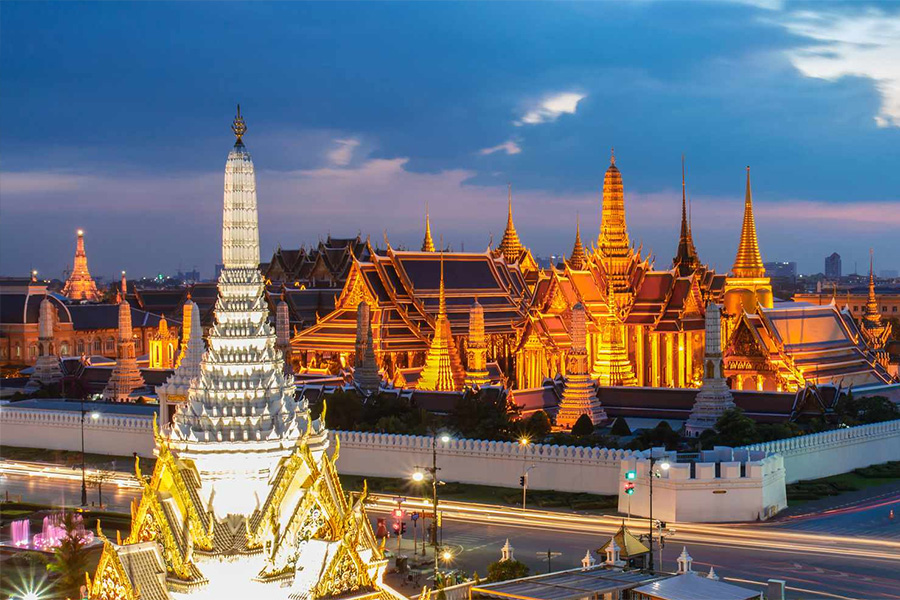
[781, 270]
[833, 266]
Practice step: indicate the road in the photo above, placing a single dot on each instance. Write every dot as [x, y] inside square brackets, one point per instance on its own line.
[825, 551]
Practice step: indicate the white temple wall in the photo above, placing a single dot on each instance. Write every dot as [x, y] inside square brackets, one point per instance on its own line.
[561, 468]
[116, 435]
[835, 452]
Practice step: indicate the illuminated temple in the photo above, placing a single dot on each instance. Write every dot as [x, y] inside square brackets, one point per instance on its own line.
[244, 501]
[80, 285]
[644, 326]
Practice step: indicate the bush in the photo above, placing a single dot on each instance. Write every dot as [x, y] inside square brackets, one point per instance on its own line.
[537, 426]
[583, 427]
[503, 570]
[620, 428]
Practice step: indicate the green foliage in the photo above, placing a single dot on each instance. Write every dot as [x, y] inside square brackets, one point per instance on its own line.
[70, 559]
[583, 426]
[344, 411]
[736, 429]
[620, 428]
[485, 415]
[661, 435]
[502, 570]
[872, 409]
[537, 426]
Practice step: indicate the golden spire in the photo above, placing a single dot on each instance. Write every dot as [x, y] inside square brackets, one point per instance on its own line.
[613, 246]
[872, 313]
[443, 370]
[428, 243]
[748, 263]
[239, 127]
[686, 258]
[578, 258]
[510, 246]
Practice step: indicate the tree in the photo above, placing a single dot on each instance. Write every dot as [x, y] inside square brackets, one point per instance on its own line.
[97, 479]
[537, 426]
[583, 427]
[734, 429]
[503, 570]
[872, 409]
[661, 435]
[620, 427]
[485, 415]
[344, 411]
[70, 559]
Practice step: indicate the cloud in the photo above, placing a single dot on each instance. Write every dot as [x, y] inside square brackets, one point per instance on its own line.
[866, 44]
[551, 107]
[343, 153]
[40, 182]
[509, 146]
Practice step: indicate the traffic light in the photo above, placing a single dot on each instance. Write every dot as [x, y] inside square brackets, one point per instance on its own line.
[522, 481]
[631, 475]
[629, 488]
[402, 528]
[398, 514]
[396, 526]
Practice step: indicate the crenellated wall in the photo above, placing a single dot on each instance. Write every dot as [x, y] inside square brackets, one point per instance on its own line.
[723, 485]
[561, 468]
[113, 434]
[835, 452]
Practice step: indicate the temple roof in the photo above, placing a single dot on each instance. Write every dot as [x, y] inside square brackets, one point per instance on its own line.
[510, 246]
[629, 545]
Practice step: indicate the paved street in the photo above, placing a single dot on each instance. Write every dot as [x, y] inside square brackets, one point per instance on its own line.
[853, 551]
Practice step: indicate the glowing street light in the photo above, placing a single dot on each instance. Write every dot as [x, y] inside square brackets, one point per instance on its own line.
[418, 476]
[447, 555]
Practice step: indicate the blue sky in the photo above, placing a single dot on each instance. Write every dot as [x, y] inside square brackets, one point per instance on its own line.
[115, 119]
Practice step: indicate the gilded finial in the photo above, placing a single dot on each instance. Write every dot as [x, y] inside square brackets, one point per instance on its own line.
[239, 127]
[612, 160]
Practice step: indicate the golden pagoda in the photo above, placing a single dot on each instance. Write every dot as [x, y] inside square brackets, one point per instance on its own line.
[579, 394]
[162, 345]
[443, 371]
[428, 242]
[80, 285]
[748, 288]
[613, 248]
[476, 348]
[876, 330]
[611, 364]
[510, 246]
[578, 260]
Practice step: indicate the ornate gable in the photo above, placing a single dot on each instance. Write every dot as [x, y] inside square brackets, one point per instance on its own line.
[110, 580]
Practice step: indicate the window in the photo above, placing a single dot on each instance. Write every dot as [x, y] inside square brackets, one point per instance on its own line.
[18, 351]
[894, 309]
[98, 346]
[64, 349]
[110, 344]
[80, 347]
[855, 308]
[33, 351]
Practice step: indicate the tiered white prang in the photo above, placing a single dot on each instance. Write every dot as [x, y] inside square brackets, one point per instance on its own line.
[715, 396]
[242, 394]
[579, 395]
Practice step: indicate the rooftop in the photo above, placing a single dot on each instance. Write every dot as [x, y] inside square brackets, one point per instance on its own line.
[566, 585]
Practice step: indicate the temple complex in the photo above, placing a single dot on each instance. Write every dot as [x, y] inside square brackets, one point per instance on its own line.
[244, 500]
[644, 327]
[126, 377]
[80, 285]
[875, 329]
[365, 372]
[476, 352]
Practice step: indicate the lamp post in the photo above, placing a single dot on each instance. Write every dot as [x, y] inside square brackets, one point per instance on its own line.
[524, 441]
[665, 466]
[420, 476]
[94, 415]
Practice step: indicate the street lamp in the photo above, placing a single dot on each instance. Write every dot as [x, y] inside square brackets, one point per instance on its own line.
[419, 476]
[94, 416]
[664, 465]
[524, 442]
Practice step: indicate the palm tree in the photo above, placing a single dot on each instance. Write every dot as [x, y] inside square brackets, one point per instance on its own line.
[70, 559]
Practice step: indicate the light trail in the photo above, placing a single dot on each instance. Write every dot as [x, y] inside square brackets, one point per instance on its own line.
[732, 534]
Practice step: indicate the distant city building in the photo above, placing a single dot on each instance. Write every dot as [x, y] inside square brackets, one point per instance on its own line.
[785, 270]
[888, 273]
[833, 266]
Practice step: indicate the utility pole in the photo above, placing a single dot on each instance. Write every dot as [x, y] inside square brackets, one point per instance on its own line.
[83, 476]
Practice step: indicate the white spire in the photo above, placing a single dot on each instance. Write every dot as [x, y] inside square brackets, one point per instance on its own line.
[685, 561]
[241, 395]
